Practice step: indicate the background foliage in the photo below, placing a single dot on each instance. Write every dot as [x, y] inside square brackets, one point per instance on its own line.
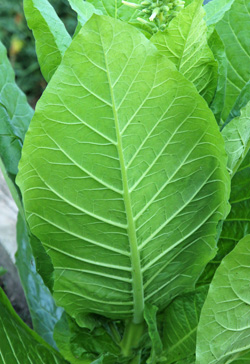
[20, 43]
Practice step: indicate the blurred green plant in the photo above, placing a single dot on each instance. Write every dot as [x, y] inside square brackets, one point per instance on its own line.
[19, 41]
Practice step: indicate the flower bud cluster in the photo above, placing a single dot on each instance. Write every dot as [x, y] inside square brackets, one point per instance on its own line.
[157, 13]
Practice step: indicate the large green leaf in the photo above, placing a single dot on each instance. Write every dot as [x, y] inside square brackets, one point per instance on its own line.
[52, 39]
[185, 43]
[224, 327]
[123, 175]
[216, 9]
[18, 343]
[234, 30]
[43, 310]
[15, 116]
[180, 325]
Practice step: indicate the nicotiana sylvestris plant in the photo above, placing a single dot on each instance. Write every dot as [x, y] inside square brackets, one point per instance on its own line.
[133, 185]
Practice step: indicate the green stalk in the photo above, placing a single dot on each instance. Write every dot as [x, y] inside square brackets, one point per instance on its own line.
[131, 339]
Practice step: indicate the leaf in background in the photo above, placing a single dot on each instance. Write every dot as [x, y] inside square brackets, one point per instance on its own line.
[242, 359]
[84, 10]
[124, 189]
[237, 139]
[81, 345]
[18, 343]
[116, 9]
[184, 42]
[234, 30]
[216, 9]
[224, 327]
[218, 49]
[236, 224]
[240, 102]
[15, 115]
[151, 320]
[181, 319]
[52, 39]
[43, 310]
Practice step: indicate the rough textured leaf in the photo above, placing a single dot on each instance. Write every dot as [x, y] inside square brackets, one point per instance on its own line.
[234, 30]
[43, 310]
[180, 325]
[224, 327]
[127, 183]
[52, 39]
[15, 116]
[185, 43]
[216, 9]
[116, 9]
[218, 49]
[18, 343]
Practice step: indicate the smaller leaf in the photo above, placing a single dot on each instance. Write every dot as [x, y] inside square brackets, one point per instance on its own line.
[20, 344]
[224, 327]
[237, 139]
[180, 325]
[240, 102]
[218, 49]
[216, 9]
[84, 10]
[151, 320]
[37, 294]
[15, 116]
[52, 39]
[82, 345]
[184, 42]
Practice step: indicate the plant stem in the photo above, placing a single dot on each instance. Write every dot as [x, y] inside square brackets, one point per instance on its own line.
[131, 338]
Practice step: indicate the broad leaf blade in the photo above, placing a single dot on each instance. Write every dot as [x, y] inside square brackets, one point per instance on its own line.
[134, 167]
[216, 9]
[181, 319]
[43, 310]
[234, 30]
[52, 39]
[18, 343]
[224, 327]
[185, 43]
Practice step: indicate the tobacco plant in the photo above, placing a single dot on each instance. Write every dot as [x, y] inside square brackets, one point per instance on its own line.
[133, 185]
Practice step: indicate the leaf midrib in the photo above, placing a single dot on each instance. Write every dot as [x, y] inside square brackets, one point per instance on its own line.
[137, 279]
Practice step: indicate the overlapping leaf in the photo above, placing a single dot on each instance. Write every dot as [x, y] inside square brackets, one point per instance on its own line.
[52, 39]
[123, 175]
[180, 325]
[18, 343]
[216, 9]
[234, 30]
[43, 310]
[15, 115]
[224, 327]
[116, 9]
[185, 43]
